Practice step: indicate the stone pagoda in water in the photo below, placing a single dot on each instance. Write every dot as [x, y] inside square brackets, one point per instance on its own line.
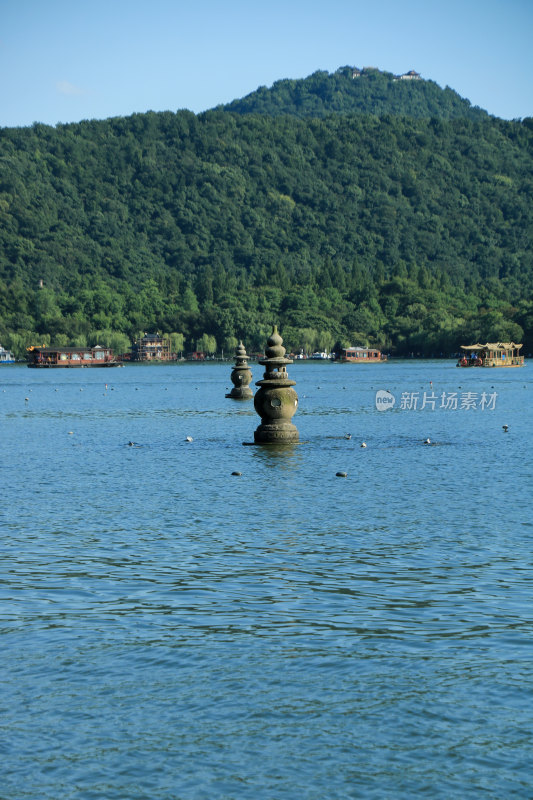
[241, 376]
[276, 401]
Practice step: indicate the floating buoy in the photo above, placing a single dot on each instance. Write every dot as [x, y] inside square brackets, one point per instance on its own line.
[341, 474]
[505, 428]
[427, 441]
[70, 433]
[236, 473]
[188, 438]
[347, 435]
[363, 444]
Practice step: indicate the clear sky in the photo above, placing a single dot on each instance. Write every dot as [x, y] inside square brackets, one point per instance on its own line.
[67, 60]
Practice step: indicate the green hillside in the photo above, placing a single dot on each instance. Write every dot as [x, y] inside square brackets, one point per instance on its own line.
[412, 234]
[369, 92]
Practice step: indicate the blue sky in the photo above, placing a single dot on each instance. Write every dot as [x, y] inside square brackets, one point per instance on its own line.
[67, 60]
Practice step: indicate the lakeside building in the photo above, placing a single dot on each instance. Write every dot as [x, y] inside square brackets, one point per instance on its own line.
[152, 347]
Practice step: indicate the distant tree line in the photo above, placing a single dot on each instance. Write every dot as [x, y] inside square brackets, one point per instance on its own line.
[412, 234]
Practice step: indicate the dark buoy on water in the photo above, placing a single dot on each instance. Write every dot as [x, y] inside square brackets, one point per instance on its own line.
[241, 376]
[341, 474]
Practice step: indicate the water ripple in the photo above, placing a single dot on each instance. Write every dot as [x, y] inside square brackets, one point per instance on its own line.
[170, 630]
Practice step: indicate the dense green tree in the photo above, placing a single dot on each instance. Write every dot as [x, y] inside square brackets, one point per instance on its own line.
[177, 343]
[206, 344]
[391, 212]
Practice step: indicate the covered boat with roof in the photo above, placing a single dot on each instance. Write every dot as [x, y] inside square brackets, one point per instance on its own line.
[491, 354]
[71, 357]
[6, 356]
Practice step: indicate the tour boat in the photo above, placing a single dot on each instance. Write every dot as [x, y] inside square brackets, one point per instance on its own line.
[71, 357]
[6, 356]
[491, 354]
[361, 355]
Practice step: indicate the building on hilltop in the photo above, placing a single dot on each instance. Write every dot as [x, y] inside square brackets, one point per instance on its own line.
[409, 76]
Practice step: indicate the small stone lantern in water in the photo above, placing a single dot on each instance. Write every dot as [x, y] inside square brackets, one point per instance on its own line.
[276, 401]
[241, 376]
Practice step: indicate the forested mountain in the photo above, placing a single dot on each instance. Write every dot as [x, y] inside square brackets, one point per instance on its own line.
[350, 90]
[412, 234]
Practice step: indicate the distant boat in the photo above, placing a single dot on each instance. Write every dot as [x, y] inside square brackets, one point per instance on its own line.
[360, 355]
[319, 356]
[6, 356]
[64, 357]
[491, 354]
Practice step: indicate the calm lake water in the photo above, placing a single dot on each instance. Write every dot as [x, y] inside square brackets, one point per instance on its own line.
[171, 631]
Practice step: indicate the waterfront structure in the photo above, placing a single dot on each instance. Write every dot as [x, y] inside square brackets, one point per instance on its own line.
[276, 401]
[491, 354]
[241, 376]
[360, 355]
[6, 356]
[151, 347]
[71, 357]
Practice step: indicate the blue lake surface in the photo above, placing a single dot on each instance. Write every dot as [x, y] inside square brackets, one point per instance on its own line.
[172, 631]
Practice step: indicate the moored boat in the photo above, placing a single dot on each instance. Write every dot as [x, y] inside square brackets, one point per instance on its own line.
[6, 356]
[71, 357]
[491, 354]
[360, 355]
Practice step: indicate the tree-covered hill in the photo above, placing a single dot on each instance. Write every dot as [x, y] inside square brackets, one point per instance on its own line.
[413, 234]
[369, 92]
